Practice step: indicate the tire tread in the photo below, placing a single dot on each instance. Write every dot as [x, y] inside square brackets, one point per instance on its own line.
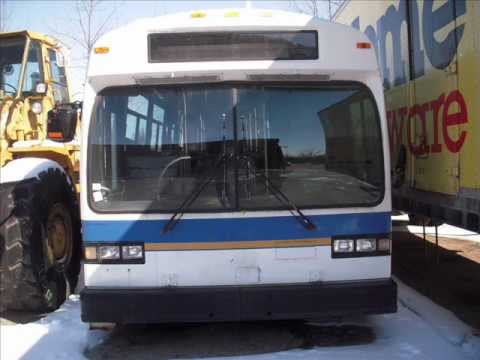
[24, 278]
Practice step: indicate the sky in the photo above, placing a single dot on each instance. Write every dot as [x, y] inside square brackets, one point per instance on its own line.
[57, 17]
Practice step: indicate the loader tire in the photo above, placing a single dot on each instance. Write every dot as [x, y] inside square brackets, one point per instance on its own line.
[40, 245]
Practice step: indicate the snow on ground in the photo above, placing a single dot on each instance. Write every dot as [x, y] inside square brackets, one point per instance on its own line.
[444, 230]
[441, 321]
[419, 330]
[60, 335]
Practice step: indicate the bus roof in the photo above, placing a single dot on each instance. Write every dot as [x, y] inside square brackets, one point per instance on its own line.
[120, 57]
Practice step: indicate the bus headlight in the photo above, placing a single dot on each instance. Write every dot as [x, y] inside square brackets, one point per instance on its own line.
[116, 253]
[132, 252]
[343, 245]
[373, 245]
[363, 245]
[108, 252]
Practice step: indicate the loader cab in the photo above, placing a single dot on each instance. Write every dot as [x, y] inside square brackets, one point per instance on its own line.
[34, 95]
[32, 77]
[21, 67]
[32, 65]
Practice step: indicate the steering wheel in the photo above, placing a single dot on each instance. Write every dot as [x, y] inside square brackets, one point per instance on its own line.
[174, 161]
[13, 87]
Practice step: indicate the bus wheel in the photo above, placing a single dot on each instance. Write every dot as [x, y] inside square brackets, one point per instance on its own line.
[40, 254]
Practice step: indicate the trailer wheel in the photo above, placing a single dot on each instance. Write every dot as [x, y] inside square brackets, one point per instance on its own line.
[40, 243]
[420, 220]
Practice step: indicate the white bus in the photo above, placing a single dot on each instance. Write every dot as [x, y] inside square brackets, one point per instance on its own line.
[235, 167]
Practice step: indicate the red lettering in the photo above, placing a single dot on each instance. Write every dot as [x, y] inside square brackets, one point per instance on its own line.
[458, 118]
[417, 141]
[435, 106]
[422, 148]
[395, 130]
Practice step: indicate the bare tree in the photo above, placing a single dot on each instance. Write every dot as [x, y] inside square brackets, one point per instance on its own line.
[90, 20]
[314, 7]
[333, 6]
[88, 24]
[5, 15]
[311, 7]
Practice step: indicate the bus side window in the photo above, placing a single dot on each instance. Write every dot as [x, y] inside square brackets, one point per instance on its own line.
[59, 80]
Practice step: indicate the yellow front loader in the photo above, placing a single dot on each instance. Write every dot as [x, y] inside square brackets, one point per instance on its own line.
[40, 245]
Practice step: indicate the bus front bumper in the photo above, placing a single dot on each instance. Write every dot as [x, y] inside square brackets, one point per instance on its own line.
[238, 303]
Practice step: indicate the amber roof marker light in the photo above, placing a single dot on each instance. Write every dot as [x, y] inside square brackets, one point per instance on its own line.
[101, 50]
[364, 45]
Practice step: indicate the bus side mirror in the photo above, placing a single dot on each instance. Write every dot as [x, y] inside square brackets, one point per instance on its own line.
[62, 123]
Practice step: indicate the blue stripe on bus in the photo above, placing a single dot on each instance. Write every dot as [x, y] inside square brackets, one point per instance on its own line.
[236, 229]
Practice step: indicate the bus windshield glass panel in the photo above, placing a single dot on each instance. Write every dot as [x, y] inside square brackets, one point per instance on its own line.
[233, 46]
[150, 147]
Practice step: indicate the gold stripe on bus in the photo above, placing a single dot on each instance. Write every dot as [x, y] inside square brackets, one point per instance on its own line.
[231, 245]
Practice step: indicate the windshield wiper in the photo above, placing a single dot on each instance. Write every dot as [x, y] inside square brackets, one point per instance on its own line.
[197, 190]
[280, 195]
[283, 198]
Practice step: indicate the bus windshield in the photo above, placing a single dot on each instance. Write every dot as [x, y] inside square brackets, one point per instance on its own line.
[149, 147]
